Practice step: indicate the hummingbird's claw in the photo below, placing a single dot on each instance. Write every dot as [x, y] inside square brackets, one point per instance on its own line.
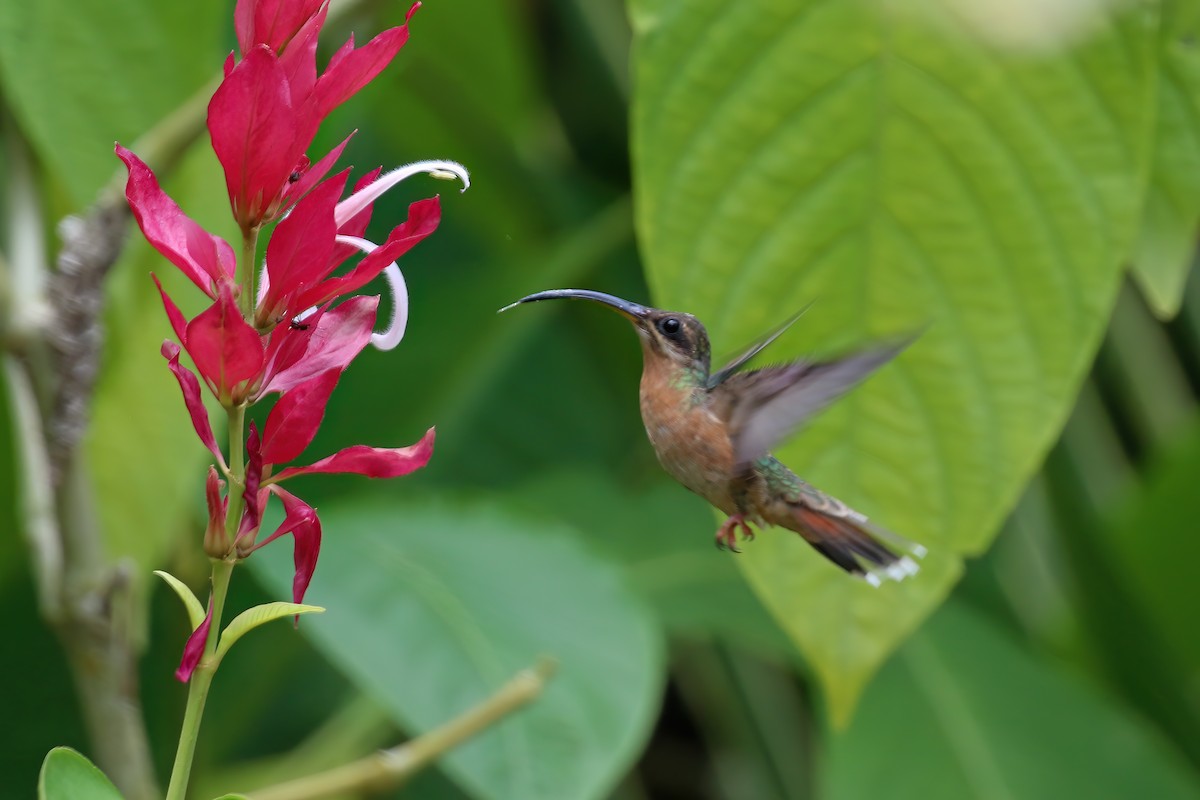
[722, 545]
[727, 533]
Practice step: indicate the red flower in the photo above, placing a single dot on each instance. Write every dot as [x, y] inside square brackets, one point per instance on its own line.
[207, 260]
[228, 353]
[307, 324]
[265, 113]
[374, 462]
[304, 251]
[216, 542]
[300, 520]
[274, 22]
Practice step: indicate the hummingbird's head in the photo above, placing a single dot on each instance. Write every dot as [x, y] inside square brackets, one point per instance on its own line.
[676, 337]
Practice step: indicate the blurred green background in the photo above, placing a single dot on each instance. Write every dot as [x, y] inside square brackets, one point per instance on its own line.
[1022, 180]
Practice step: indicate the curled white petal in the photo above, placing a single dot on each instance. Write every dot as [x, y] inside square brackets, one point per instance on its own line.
[390, 336]
[445, 170]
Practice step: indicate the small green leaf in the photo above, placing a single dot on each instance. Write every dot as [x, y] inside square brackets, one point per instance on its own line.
[195, 611]
[433, 608]
[251, 618]
[68, 775]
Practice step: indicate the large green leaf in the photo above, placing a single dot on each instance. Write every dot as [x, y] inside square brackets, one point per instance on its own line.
[902, 175]
[1167, 240]
[432, 609]
[964, 713]
[82, 73]
[661, 534]
[67, 775]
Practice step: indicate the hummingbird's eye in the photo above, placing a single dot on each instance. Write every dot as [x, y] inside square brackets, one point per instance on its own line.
[669, 326]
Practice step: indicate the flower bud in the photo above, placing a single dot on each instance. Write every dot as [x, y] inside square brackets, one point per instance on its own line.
[216, 541]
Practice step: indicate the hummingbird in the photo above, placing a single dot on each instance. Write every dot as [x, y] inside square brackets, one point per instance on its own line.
[712, 432]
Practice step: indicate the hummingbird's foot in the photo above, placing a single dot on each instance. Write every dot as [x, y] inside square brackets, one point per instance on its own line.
[727, 533]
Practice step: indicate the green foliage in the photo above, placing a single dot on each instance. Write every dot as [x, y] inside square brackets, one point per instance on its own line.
[431, 609]
[907, 174]
[659, 535]
[1151, 535]
[251, 618]
[963, 712]
[67, 775]
[195, 611]
[886, 163]
[74, 91]
[1163, 256]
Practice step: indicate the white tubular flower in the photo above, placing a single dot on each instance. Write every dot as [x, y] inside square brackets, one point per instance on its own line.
[443, 170]
[394, 332]
[309, 279]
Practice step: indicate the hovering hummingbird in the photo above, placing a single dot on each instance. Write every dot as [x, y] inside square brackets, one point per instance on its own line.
[712, 432]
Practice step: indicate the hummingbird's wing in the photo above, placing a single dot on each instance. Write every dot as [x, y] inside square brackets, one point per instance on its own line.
[733, 366]
[763, 406]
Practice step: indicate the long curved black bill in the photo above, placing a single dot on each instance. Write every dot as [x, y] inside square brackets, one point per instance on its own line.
[631, 310]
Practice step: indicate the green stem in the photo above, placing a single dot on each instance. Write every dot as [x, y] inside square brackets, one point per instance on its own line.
[222, 570]
[249, 278]
[198, 686]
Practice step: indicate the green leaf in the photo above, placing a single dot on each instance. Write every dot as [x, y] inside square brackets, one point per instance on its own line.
[1152, 538]
[1163, 255]
[195, 610]
[81, 73]
[68, 775]
[902, 176]
[432, 609]
[251, 618]
[662, 534]
[964, 713]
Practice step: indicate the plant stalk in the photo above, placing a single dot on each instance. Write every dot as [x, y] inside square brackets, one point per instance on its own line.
[199, 685]
[222, 570]
[249, 280]
[390, 768]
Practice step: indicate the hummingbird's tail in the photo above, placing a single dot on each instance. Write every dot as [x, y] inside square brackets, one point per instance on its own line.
[854, 544]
